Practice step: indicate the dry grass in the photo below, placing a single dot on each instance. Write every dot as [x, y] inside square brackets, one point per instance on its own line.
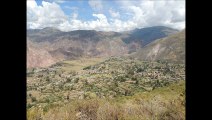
[77, 65]
[166, 103]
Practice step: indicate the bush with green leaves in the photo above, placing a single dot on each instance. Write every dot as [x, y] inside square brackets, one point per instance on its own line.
[29, 105]
[86, 68]
[33, 99]
[120, 78]
[76, 80]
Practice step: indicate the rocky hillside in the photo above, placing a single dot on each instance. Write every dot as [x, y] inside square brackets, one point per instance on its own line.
[37, 56]
[88, 43]
[171, 48]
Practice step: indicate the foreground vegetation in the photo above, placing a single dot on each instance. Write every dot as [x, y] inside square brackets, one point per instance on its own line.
[111, 89]
[167, 103]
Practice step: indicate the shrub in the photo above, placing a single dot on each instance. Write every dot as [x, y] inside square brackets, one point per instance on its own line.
[29, 105]
[33, 99]
[120, 78]
[140, 70]
[61, 86]
[86, 68]
[47, 100]
[131, 72]
[137, 82]
[47, 79]
[134, 78]
[76, 80]
[68, 80]
[110, 111]
[34, 114]
[89, 108]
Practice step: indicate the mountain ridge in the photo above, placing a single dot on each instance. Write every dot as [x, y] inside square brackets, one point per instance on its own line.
[170, 48]
[91, 43]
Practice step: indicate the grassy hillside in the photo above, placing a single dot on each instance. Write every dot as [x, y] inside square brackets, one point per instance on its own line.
[167, 103]
[96, 88]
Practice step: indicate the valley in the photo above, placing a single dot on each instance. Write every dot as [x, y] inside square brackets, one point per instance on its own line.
[99, 79]
[95, 75]
[56, 45]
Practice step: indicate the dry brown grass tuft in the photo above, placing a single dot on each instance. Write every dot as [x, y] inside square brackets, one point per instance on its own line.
[166, 103]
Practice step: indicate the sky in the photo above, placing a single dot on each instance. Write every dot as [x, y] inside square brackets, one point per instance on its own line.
[105, 15]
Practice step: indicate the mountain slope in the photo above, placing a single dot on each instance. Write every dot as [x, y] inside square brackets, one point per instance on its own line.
[90, 43]
[171, 48]
[147, 35]
[38, 57]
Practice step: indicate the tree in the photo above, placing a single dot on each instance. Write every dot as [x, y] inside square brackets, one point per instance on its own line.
[120, 78]
[131, 72]
[136, 81]
[33, 99]
[47, 79]
[140, 70]
[76, 80]
[68, 80]
[116, 84]
[127, 92]
[67, 97]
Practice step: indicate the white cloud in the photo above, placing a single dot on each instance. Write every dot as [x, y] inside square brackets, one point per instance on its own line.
[100, 24]
[48, 15]
[56, 1]
[96, 5]
[140, 14]
[151, 13]
[74, 16]
[71, 8]
[114, 14]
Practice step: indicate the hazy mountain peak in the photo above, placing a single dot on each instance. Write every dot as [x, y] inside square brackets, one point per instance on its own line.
[51, 29]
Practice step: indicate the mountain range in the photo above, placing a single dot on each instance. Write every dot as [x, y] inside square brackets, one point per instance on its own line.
[50, 45]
